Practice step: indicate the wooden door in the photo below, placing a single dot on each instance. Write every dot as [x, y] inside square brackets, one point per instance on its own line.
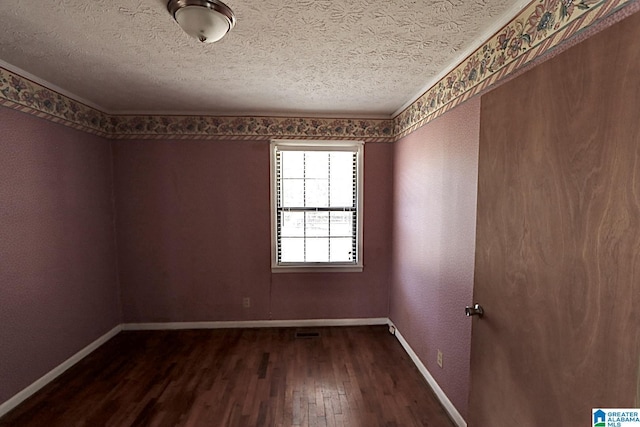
[558, 239]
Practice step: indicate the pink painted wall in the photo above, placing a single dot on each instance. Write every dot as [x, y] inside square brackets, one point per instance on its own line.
[194, 239]
[435, 189]
[58, 289]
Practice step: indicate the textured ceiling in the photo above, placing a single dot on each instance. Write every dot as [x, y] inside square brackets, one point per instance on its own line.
[340, 58]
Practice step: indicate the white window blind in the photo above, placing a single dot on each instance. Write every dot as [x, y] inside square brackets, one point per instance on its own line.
[317, 204]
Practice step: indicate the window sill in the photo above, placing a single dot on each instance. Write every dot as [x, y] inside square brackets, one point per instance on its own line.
[317, 269]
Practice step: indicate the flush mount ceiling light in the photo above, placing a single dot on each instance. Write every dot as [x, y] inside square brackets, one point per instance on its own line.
[205, 20]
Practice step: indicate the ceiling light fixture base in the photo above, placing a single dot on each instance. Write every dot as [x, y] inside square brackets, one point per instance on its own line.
[205, 20]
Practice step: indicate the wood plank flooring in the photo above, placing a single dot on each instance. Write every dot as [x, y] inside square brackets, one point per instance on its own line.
[355, 376]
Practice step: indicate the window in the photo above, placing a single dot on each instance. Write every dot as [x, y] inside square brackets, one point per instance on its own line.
[316, 198]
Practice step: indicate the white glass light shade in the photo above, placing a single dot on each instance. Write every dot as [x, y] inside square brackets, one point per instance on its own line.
[201, 23]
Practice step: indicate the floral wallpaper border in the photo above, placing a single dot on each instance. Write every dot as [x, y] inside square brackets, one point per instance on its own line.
[190, 127]
[22, 94]
[539, 27]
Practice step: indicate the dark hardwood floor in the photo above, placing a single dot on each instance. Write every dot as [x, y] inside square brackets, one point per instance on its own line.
[356, 376]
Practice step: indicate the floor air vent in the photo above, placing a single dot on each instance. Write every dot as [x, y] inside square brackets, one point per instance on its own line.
[307, 334]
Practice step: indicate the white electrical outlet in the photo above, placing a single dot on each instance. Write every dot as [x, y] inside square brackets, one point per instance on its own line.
[246, 302]
[439, 358]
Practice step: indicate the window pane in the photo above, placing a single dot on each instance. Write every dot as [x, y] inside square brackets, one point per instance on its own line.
[341, 250]
[342, 166]
[317, 193]
[341, 161]
[341, 193]
[291, 164]
[317, 224]
[341, 182]
[292, 250]
[341, 224]
[292, 192]
[317, 164]
[318, 250]
[292, 224]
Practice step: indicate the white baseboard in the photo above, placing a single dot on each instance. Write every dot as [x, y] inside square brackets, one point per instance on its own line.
[255, 324]
[440, 394]
[17, 399]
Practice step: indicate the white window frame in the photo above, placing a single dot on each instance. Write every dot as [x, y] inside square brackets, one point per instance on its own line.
[313, 145]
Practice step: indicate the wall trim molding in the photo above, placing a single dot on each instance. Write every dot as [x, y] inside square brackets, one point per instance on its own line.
[23, 395]
[163, 326]
[455, 416]
[536, 30]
